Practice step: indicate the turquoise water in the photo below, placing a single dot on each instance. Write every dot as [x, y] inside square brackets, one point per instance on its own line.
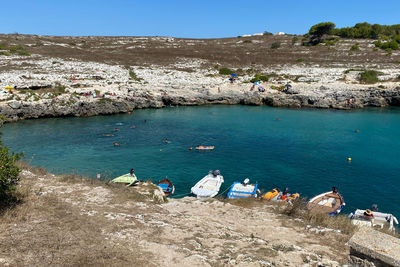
[306, 150]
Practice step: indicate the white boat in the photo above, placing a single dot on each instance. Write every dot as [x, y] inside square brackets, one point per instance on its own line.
[330, 202]
[208, 186]
[379, 219]
[243, 190]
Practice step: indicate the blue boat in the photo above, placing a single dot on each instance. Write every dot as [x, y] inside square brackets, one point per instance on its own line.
[243, 190]
[166, 186]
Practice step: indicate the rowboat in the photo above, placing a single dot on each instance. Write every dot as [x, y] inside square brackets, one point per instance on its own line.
[330, 203]
[166, 186]
[128, 179]
[242, 190]
[205, 147]
[208, 186]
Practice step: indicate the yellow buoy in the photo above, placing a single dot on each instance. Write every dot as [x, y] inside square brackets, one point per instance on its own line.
[348, 159]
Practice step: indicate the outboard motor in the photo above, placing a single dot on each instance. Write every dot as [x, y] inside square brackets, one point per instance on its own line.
[246, 181]
[216, 172]
[374, 207]
[286, 191]
[335, 190]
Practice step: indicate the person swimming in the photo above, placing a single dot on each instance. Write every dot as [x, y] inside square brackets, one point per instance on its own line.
[116, 144]
[166, 141]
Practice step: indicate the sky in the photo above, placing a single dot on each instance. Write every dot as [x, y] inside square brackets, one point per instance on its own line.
[187, 19]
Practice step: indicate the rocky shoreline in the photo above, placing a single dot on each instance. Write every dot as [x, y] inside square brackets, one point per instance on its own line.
[61, 75]
[68, 105]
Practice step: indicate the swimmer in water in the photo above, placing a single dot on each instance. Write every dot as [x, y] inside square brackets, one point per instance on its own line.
[133, 126]
[116, 144]
[108, 135]
[116, 129]
[166, 141]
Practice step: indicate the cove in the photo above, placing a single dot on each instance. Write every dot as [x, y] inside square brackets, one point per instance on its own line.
[305, 150]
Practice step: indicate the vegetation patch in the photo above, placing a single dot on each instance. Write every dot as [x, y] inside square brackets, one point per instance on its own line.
[225, 71]
[355, 48]
[275, 45]
[260, 77]
[369, 76]
[133, 76]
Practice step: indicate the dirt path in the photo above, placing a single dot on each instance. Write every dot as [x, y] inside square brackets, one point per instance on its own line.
[68, 221]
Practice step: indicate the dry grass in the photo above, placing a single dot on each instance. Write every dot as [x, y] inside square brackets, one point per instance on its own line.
[44, 229]
[36, 170]
[229, 52]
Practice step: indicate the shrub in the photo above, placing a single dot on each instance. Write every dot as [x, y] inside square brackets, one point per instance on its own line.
[294, 40]
[259, 77]
[8, 174]
[275, 45]
[369, 76]
[355, 48]
[225, 71]
[133, 76]
[267, 33]
[392, 45]
[299, 60]
[59, 88]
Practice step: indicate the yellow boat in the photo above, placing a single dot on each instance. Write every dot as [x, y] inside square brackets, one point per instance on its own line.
[276, 195]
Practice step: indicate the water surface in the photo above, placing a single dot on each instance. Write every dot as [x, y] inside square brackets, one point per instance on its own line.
[306, 150]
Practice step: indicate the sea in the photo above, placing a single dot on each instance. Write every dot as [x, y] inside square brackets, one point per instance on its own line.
[306, 150]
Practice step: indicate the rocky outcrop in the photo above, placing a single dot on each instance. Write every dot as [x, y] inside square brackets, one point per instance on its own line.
[17, 110]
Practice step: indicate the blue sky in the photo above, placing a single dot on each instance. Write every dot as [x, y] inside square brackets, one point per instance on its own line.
[197, 19]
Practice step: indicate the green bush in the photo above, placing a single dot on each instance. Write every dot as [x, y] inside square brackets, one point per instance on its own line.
[8, 174]
[133, 76]
[225, 71]
[355, 48]
[294, 40]
[393, 45]
[318, 30]
[369, 76]
[259, 77]
[275, 45]
[299, 60]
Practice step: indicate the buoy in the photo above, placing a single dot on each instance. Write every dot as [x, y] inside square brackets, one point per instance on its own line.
[348, 159]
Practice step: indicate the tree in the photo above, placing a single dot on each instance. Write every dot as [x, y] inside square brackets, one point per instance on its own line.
[318, 30]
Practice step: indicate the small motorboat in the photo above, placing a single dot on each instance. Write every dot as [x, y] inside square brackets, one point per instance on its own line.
[243, 190]
[166, 186]
[330, 203]
[277, 195]
[373, 219]
[128, 179]
[205, 147]
[208, 186]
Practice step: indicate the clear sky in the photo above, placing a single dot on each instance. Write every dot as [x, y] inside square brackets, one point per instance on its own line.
[179, 18]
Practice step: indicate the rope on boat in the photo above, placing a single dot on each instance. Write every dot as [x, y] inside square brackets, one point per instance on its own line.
[223, 192]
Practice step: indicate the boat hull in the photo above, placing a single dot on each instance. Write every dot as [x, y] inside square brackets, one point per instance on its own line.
[166, 186]
[208, 187]
[329, 202]
[239, 190]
